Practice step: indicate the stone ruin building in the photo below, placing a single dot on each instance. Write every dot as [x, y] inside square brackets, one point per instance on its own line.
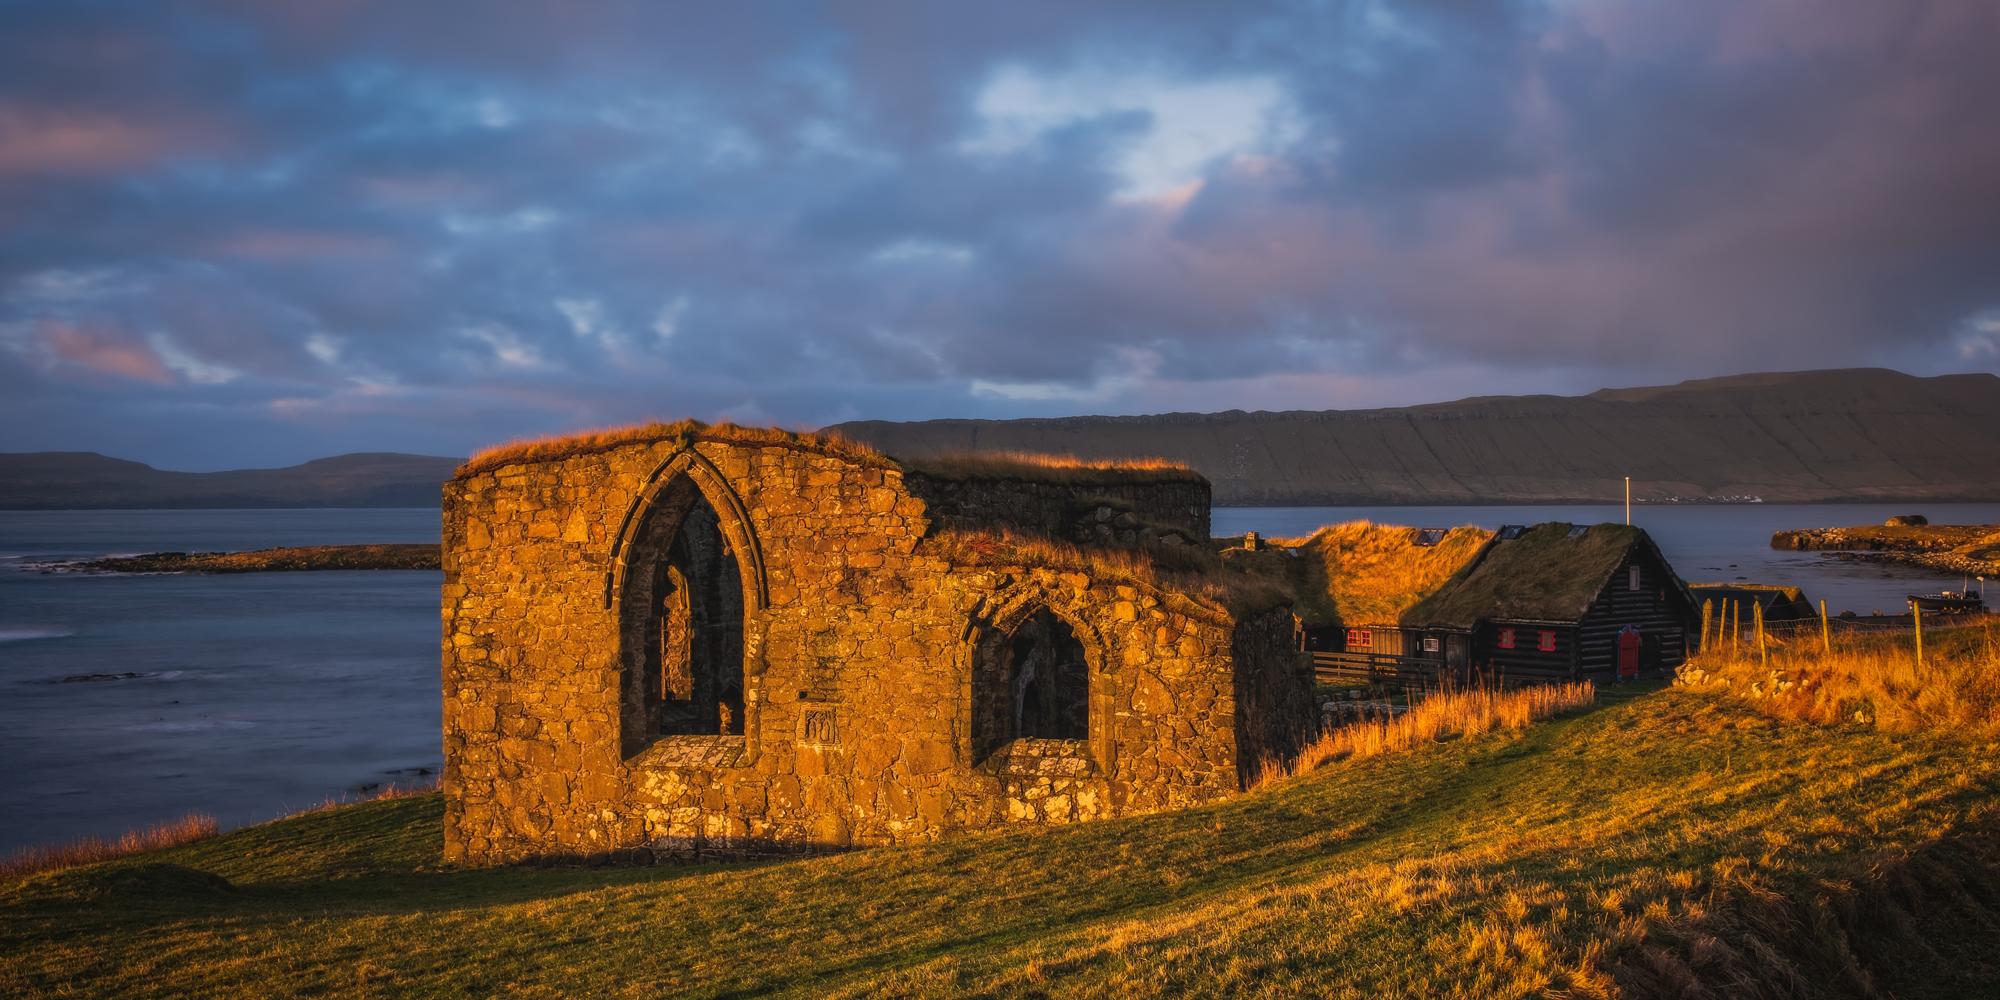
[682, 638]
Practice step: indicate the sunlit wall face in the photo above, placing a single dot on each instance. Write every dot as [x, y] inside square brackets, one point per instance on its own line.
[258, 232]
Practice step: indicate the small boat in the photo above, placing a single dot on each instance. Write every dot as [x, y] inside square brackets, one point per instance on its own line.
[1949, 602]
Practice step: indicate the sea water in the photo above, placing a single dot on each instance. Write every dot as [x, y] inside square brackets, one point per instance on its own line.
[128, 700]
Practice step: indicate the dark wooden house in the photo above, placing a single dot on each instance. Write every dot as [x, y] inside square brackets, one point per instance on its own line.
[1782, 605]
[1549, 602]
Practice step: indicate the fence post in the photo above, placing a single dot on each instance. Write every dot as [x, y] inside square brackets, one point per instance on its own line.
[1707, 612]
[1917, 619]
[1825, 631]
[1735, 625]
[1763, 655]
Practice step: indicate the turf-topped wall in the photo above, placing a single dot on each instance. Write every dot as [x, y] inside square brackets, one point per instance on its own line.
[1088, 511]
[697, 642]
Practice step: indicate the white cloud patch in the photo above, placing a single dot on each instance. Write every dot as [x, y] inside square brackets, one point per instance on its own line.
[505, 346]
[324, 347]
[524, 220]
[1138, 366]
[187, 365]
[667, 322]
[922, 251]
[493, 112]
[1191, 124]
[1980, 342]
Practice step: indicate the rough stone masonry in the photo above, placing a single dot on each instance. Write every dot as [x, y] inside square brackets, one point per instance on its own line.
[713, 641]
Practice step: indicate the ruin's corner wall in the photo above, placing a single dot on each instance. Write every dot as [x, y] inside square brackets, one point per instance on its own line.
[859, 651]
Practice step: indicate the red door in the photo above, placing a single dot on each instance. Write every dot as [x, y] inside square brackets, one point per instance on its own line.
[1628, 652]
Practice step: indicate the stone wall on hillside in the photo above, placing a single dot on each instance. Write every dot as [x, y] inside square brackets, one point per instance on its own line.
[711, 646]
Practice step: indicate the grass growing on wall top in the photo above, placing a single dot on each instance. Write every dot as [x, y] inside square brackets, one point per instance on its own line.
[1677, 842]
[1038, 467]
[555, 447]
[967, 465]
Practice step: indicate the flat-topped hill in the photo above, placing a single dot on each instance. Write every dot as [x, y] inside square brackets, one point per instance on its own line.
[87, 480]
[1866, 434]
[1673, 843]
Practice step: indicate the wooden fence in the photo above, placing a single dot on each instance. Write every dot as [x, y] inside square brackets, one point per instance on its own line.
[1377, 668]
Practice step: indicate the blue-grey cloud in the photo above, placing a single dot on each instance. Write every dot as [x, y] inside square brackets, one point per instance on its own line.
[260, 231]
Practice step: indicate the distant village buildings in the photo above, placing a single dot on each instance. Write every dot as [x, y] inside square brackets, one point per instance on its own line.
[1523, 604]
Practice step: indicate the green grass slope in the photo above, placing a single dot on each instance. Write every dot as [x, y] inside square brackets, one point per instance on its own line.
[1672, 843]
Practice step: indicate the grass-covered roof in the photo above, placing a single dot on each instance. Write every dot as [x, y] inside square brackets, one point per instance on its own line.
[973, 465]
[1359, 573]
[1546, 574]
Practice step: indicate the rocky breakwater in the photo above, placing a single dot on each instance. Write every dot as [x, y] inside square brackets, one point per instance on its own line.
[297, 558]
[1972, 549]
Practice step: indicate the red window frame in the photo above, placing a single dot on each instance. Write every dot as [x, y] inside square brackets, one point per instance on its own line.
[1505, 639]
[1546, 641]
[1361, 638]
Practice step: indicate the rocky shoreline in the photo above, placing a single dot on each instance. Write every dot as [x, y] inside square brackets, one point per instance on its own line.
[1967, 549]
[290, 559]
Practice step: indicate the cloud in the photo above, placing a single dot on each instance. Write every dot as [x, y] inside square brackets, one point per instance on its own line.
[1179, 128]
[430, 225]
[104, 351]
[49, 140]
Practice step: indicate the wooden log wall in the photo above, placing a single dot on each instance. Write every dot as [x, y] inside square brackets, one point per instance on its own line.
[1656, 607]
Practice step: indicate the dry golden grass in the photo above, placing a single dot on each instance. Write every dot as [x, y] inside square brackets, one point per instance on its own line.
[1675, 843]
[1872, 679]
[1047, 467]
[1452, 712]
[173, 833]
[1192, 570]
[90, 850]
[1371, 574]
[558, 446]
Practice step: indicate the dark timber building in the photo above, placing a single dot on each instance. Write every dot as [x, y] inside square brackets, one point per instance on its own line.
[1551, 601]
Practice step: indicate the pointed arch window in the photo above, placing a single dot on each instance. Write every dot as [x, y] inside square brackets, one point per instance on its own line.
[681, 624]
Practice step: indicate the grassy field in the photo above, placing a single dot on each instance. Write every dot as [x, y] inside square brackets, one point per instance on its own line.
[1671, 841]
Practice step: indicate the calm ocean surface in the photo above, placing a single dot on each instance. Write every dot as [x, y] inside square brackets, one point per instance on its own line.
[254, 695]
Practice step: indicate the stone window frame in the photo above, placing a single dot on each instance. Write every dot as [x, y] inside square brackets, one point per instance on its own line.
[733, 518]
[994, 622]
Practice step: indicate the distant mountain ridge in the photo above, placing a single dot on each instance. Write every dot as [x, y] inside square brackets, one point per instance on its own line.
[1801, 437]
[87, 480]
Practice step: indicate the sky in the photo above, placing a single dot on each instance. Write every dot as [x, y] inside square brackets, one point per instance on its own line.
[259, 232]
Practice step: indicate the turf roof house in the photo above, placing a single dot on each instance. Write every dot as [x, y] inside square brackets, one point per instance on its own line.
[711, 637]
[1520, 604]
[1371, 575]
[1550, 601]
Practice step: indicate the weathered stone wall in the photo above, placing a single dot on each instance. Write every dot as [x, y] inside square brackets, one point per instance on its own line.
[1103, 512]
[859, 654]
[1275, 714]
